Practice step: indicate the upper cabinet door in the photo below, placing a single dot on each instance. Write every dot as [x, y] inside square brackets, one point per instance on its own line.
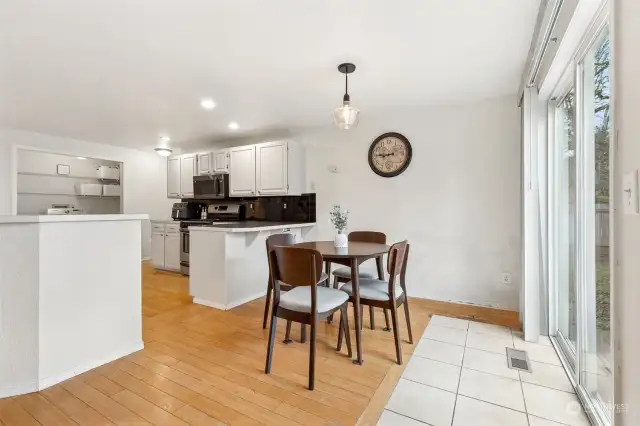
[188, 169]
[242, 171]
[173, 177]
[205, 163]
[271, 168]
[220, 161]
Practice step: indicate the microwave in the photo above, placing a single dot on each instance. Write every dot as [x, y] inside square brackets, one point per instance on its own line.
[211, 187]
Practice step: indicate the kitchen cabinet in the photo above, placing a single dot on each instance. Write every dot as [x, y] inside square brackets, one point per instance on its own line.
[165, 246]
[188, 169]
[242, 171]
[205, 163]
[157, 248]
[173, 177]
[279, 168]
[180, 172]
[220, 161]
[265, 169]
[172, 251]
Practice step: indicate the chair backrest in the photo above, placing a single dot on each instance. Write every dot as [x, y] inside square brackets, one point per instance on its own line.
[368, 237]
[397, 259]
[285, 239]
[295, 266]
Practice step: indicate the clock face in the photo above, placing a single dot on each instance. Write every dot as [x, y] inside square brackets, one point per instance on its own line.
[390, 154]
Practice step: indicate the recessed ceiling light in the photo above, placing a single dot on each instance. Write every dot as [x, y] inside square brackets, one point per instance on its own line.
[233, 125]
[164, 152]
[81, 158]
[208, 104]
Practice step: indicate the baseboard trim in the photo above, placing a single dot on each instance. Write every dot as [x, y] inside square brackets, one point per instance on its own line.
[209, 303]
[19, 389]
[53, 380]
[468, 311]
[246, 299]
[228, 306]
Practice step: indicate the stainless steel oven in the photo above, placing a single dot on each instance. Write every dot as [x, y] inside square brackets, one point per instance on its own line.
[184, 250]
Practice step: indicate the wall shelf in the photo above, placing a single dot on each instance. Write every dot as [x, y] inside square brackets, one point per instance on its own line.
[68, 176]
[69, 195]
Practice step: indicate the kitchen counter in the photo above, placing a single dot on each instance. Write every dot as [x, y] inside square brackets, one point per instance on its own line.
[250, 226]
[70, 293]
[70, 218]
[164, 221]
[228, 261]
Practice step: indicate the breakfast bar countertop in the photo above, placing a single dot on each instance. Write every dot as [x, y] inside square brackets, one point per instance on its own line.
[249, 226]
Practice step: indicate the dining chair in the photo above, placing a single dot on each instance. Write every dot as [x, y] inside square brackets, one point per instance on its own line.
[307, 302]
[387, 294]
[343, 275]
[283, 239]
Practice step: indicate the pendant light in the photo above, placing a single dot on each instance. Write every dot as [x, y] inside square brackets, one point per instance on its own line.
[163, 150]
[346, 116]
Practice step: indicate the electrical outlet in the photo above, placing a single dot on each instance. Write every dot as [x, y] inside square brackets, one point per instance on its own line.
[506, 278]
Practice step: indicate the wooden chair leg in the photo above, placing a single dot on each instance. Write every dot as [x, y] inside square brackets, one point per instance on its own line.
[408, 318]
[267, 304]
[287, 335]
[340, 332]
[335, 285]
[361, 316]
[396, 331]
[272, 338]
[345, 325]
[312, 357]
[303, 333]
[371, 319]
[386, 320]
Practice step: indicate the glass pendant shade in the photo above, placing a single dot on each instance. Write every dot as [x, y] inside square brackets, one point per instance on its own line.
[346, 116]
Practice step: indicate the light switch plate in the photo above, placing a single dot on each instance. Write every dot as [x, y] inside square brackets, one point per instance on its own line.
[630, 192]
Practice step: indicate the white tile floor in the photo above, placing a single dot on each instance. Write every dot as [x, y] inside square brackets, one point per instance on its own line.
[458, 376]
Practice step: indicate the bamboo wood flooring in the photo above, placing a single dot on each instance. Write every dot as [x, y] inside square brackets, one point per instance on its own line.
[201, 366]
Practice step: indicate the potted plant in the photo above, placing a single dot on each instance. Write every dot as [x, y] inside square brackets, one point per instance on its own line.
[338, 219]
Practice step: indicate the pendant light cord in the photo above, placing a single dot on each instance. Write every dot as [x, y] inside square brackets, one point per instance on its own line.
[346, 97]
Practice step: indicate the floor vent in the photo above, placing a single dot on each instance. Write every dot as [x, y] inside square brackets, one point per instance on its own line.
[518, 360]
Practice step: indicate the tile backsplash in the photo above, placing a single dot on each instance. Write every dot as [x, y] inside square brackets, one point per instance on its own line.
[294, 208]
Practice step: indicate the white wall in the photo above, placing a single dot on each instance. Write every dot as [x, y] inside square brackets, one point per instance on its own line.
[143, 176]
[626, 279]
[458, 203]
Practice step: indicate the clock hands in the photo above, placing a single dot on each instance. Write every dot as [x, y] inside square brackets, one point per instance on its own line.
[384, 155]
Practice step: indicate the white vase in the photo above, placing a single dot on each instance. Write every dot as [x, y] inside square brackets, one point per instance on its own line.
[341, 241]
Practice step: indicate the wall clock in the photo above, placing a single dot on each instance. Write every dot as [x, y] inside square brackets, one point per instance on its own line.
[390, 154]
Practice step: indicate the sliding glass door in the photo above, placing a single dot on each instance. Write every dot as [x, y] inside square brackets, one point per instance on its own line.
[595, 352]
[579, 187]
[564, 109]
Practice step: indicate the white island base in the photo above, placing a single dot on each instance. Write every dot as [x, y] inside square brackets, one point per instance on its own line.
[70, 296]
[228, 265]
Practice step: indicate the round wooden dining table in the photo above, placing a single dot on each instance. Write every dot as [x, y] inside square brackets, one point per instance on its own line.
[351, 256]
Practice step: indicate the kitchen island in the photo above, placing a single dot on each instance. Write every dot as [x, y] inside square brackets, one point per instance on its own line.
[70, 296]
[228, 262]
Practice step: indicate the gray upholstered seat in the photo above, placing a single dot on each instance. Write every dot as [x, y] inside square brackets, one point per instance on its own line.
[372, 289]
[299, 299]
[362, 273]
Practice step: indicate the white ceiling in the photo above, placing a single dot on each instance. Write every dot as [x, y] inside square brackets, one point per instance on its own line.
[126, 71]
